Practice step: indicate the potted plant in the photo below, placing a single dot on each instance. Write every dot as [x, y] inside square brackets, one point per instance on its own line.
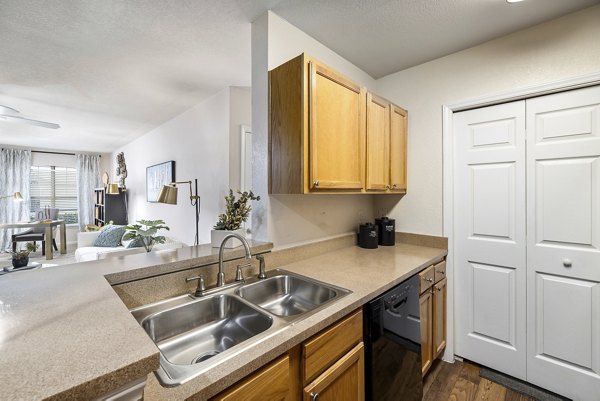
[236, 213]
[144, 233]
[20, 258]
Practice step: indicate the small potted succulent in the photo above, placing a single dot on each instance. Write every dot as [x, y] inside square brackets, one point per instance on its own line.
[236, 214]
[144, 235]
[20, 258]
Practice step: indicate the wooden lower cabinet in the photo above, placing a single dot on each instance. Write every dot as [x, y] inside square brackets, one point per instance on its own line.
[433, 302]
[426, 303]
[342, 381]
[327, 366]
[272, 383]
[439, 317]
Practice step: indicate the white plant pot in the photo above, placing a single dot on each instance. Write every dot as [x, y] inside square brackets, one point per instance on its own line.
[216, 237]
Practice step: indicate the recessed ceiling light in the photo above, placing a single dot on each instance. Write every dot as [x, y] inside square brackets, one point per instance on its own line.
[514, 1]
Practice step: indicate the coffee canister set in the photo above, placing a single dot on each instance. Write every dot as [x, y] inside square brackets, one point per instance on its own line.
[383, 232]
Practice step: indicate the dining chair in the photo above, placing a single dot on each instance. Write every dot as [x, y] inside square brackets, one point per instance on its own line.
[36, 233]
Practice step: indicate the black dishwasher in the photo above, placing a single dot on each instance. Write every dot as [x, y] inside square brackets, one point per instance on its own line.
[392, 336]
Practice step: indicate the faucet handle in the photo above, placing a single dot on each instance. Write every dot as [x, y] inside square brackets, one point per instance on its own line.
[239, 275]
[201, 286]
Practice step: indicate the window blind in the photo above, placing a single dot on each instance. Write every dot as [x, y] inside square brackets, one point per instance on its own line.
[55, 187]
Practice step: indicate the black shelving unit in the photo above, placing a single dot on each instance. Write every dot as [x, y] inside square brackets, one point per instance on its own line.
[109, 207]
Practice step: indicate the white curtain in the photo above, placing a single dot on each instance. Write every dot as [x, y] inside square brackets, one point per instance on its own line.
[15, 167]
[88, 178]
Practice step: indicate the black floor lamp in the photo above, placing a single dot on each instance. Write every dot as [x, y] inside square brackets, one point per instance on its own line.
[168, 195]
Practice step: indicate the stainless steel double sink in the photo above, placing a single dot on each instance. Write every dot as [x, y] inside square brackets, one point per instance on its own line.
[195, 334]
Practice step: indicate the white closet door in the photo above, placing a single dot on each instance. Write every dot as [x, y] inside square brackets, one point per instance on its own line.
[489, 219]
[563, 253]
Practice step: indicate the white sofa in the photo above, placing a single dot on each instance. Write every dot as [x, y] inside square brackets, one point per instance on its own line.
[86, 250]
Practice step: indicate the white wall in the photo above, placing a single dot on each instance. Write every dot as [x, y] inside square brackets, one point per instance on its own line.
[559, 49]
[289, 219]
[198, 141]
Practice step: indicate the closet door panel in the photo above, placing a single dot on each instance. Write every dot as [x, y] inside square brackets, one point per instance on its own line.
[489, 218]
[563, 242]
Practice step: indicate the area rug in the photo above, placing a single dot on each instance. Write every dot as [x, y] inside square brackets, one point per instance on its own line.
[520, 386]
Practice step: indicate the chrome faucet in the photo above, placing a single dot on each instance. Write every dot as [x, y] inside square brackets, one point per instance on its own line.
[221, 275]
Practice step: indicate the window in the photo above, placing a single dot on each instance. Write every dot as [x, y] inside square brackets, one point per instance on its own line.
[55, 187]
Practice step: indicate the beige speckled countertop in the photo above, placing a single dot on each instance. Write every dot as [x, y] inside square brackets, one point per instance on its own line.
[367, 273]
[66, 335]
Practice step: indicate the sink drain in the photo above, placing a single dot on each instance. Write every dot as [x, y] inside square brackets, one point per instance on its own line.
[204, 356]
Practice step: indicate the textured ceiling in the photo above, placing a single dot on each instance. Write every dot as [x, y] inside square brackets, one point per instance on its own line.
[108, 71]
[386, 36]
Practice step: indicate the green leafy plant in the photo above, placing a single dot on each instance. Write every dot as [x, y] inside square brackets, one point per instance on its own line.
[236, 212]
[145, 232]
[29, 247]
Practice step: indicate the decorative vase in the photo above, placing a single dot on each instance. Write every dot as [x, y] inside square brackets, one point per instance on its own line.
[20, 260]
[216, 237]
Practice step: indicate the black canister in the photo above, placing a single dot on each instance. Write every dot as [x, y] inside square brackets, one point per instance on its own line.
[367, 236]
[386, 231]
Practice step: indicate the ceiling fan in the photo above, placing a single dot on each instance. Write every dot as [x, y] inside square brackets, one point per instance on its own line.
[13, 115]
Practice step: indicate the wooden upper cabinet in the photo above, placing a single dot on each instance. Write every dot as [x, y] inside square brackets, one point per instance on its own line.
[398, 137]
[378, 143]
[386, 146]
[328, 135]
[316, 129]
[336, 132]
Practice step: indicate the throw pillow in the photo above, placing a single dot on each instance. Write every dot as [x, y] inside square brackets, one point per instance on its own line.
[110, 236]
[135, 243]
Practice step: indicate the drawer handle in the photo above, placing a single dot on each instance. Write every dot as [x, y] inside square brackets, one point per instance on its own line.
[429, 280]
[316, 183]
[387, 186]
[394, 186]
[314, 396]
[567, 263]
[439, 288]
[441, 272]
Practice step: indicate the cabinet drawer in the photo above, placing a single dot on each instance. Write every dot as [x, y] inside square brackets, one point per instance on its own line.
[321, 351]
[427, 276]
[439, 271]
[270, 383]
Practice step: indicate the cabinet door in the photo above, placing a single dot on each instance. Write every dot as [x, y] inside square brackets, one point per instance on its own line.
[398, 137]
[271, 383]
[439, 317]
[378, 143]
[426, 331]
[343, 381]
[336, 131]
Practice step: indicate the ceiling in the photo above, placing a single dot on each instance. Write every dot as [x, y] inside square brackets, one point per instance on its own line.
[109, 71]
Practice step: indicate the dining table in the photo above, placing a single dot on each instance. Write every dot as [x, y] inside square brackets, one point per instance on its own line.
[48, 226]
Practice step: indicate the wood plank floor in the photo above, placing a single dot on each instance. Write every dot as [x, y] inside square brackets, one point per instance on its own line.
[460, 381]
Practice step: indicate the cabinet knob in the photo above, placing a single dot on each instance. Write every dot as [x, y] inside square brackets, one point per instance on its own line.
[567, 263]
[314, 396]
[387, 186]
[439, 289]
[316, 183]
[441, 272]
[429, 280]
[395, 186]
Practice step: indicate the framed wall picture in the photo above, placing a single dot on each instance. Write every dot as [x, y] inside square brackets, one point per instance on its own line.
[157, 176]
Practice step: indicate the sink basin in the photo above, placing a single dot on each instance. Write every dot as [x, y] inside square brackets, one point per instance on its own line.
[194, 332]
[288, 295]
